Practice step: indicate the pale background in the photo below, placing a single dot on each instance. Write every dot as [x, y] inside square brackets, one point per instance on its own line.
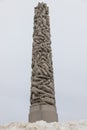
[69, 47]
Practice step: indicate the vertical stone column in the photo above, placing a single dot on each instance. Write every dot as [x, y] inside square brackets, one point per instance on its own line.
[43, 106]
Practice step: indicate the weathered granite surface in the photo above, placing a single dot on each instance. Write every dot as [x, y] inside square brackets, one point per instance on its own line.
[42, 81]
[43, 106]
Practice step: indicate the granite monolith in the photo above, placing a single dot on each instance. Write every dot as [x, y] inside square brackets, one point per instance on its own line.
[43, 105]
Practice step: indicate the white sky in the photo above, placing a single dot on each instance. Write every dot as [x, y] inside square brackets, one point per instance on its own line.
[69, 48]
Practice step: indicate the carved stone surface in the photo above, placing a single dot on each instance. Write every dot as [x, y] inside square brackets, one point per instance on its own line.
[42, 81]
[42, 98]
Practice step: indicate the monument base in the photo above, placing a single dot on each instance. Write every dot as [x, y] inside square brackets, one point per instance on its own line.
[47, 113]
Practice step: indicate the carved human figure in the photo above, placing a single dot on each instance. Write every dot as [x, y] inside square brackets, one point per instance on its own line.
[42, 85]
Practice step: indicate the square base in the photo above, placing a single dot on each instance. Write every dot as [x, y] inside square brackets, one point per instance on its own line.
[47, 113]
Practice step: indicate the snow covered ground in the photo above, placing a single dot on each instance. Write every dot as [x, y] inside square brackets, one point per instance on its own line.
[42, 125]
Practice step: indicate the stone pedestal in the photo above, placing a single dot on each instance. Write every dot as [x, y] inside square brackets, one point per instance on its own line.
[43, 112]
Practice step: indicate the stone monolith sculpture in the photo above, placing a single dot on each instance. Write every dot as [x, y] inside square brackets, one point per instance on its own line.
[43, 106]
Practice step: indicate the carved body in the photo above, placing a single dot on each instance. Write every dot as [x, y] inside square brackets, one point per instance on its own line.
[42, 85]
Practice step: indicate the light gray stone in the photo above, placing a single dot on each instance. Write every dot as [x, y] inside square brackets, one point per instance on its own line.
[43, 112]
[42, 80]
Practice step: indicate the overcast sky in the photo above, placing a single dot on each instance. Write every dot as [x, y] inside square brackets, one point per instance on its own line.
[68, 19]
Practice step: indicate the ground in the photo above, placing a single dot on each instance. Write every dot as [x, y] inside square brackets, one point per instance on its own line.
[42, 125]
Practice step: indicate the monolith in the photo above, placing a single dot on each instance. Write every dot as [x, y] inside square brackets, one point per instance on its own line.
[43, 105]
